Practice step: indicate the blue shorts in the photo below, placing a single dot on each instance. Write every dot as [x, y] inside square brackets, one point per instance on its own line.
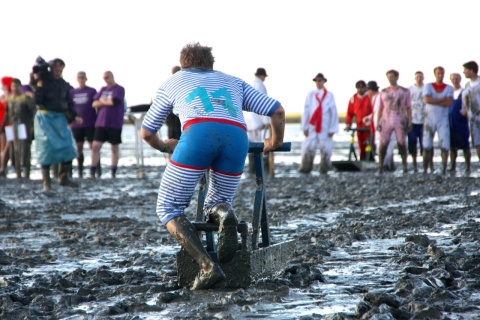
[413, 136]
[220, 147]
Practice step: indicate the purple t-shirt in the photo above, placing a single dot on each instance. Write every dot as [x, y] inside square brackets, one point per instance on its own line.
[111, 117]
[82, 103]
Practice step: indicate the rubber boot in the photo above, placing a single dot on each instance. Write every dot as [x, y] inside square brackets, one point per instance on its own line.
[187, 236]
[64, 179]
[47, 182]
[467, 153]
[307, 163]
[80, 161]
[224, 217]
[444, 155]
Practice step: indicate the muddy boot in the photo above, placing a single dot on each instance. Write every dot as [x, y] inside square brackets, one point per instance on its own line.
[187, 236]
[223, 216]
[80, 161]
[206, 280]
[64, 180]
[47, 182]
[307, 163]
[444, 155]
[468, 156]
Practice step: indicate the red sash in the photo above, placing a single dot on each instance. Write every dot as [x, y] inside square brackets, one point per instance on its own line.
[316, 119]
[438, 87]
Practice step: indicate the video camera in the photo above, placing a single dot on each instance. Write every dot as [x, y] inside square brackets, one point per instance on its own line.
[41, 67]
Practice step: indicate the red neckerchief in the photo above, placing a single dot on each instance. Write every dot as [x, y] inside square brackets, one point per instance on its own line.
[438, 87]
[316, 119]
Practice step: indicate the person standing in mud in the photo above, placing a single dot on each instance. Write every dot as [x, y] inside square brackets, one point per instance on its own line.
[394, 115]
[415, 136]
[360, 106]
[53, 138]
[459, 131]
[82, 97]
[370, 120]
[471, 102]
[319, 124]
[209, 104]
[20, 113]
[438, 97]
[257, 124]
[110, 105]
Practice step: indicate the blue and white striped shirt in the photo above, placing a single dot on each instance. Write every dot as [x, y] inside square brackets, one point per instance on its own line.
[202, 93]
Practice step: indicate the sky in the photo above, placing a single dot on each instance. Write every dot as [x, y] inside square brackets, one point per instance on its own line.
[346, 40]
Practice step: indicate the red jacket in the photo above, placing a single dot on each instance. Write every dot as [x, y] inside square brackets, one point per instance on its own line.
[358, 107]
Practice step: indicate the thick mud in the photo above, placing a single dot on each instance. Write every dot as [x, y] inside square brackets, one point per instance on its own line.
[368, 246]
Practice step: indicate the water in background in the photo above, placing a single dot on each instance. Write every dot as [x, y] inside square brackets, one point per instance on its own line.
[132, 145]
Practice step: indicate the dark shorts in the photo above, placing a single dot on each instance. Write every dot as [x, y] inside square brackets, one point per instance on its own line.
[112, 135]
[82, 134]
[414, 137]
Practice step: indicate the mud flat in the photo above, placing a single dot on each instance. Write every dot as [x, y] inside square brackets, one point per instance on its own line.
[368, 247]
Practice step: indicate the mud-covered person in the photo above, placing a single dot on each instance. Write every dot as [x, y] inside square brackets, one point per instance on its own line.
[20, 113]
[394, 115]
[53, 137]
[209, 104]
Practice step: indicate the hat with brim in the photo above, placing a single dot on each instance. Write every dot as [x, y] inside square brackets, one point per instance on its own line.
[261, 72]
[320, 76]
[372, 85]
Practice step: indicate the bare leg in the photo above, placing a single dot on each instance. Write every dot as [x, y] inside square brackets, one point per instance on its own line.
[403, 152]
[467, 153]
[453, 159]
[427, 158]
[96, 147]
[444, 155]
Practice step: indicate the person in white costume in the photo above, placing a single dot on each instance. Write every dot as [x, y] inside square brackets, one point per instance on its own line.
[257, 124]
[319, 124]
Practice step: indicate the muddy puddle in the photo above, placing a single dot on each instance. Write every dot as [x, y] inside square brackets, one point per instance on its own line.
[368, 246]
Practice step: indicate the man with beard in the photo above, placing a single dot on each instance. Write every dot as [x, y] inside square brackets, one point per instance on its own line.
[438, 97]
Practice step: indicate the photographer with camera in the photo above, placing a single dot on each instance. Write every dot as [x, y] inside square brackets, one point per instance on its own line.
[54, 139]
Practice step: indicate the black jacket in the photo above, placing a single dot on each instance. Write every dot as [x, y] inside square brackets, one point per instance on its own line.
[54, 95]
